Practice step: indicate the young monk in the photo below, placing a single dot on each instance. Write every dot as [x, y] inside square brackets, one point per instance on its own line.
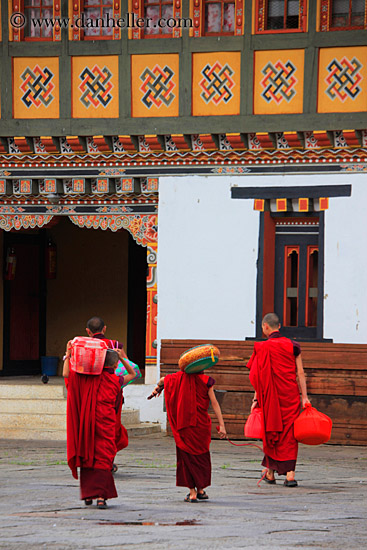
[96, 328]
[275, 366]
[187, 399]
[92, 405]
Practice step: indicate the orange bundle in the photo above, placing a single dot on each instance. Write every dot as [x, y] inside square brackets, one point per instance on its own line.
[312, 427]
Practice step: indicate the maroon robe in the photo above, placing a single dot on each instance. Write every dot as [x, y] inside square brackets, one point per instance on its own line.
[273, 375]
[122, 439]
[187, 404]
[92, 404]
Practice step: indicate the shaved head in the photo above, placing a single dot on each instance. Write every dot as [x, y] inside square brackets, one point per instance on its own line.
[272, 320]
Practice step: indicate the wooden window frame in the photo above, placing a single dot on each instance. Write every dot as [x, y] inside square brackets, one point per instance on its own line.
[265, 288]
[261, 16]
[326, 18]
[100, 6]
[159, 34]
[136, 7]
[18, 35]
[222, 3]
[75, 12]
[197, 14]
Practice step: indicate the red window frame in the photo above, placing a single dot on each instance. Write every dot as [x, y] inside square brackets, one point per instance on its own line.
[21, 33]
[261, 9]
[103, 4]
[311, 283]
[326, 8]
[160, 3]
[222, 4]
[288, 251]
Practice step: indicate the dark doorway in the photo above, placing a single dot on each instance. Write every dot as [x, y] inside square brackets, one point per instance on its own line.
[24, 305]
[137, 303]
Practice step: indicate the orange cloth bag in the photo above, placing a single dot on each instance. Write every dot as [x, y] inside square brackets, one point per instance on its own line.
[312, 427]
[253, 426]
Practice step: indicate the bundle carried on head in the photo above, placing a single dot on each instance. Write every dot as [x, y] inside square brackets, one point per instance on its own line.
[198, 358]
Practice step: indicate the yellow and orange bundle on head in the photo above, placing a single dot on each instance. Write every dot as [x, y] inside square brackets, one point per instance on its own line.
[198, 358]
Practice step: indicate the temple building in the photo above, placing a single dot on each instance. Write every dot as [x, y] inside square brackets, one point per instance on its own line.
[181, 168]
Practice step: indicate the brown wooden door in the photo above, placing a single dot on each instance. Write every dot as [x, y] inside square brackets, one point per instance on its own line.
[24, 299]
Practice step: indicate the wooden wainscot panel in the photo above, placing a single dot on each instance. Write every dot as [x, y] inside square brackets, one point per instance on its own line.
[336, 380]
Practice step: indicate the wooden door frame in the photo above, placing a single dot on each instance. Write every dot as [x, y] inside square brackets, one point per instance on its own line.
[10, 239]
[266, 263]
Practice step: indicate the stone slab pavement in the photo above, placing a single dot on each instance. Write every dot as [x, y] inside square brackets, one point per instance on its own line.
[40, 506]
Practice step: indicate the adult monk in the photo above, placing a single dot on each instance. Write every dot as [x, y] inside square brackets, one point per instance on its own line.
[96, 328]
[187, 398]
[92, 405]
[274, 367]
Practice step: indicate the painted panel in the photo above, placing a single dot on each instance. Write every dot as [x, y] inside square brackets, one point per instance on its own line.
[216, 79]
[95, 87]
[278, 82]
[154, 85]
[36, 87]
[342, 80]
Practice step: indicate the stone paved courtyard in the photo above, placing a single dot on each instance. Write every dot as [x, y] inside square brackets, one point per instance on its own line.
[40, 506]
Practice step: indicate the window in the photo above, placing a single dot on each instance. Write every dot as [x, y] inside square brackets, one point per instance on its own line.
[97, 13]
[159, 12]
[281, 15]
[347, 14]
[219, 17]
[37, 9]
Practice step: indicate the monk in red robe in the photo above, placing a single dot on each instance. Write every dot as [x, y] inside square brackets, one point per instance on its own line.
[274, 367]
[187, 399]
[92, 405]
[96, 328]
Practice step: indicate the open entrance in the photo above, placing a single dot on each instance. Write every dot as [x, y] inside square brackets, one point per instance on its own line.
[97, 273]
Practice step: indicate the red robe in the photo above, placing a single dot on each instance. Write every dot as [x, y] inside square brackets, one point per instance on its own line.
[92, 402]
[273, 375]
[187, 403]
[122, 439]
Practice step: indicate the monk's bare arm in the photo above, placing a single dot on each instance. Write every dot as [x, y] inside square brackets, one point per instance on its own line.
[302, 380]
[158, 389]
[218, 413]
[66, 367]
[131, 373]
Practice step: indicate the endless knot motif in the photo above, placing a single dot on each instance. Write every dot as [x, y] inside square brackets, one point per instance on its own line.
[157, 86]
[37, 86]
[279, 81]
[343, 78]
[217, 83]
[95, 86]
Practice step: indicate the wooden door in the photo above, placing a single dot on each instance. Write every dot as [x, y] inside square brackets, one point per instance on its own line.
[24, 307]
[296, 282]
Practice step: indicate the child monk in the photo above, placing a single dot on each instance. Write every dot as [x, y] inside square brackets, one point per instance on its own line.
[92, 406]
[187, 399]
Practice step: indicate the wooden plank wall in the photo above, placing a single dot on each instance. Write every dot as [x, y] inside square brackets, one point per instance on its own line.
[336, 381]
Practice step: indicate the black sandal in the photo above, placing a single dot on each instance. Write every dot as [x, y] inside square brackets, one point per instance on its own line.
[88, 501]
[101, 503]
[202, 496]
[114, 468]
[188, 499]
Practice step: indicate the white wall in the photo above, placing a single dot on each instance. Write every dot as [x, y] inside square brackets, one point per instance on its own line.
[207, 252]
